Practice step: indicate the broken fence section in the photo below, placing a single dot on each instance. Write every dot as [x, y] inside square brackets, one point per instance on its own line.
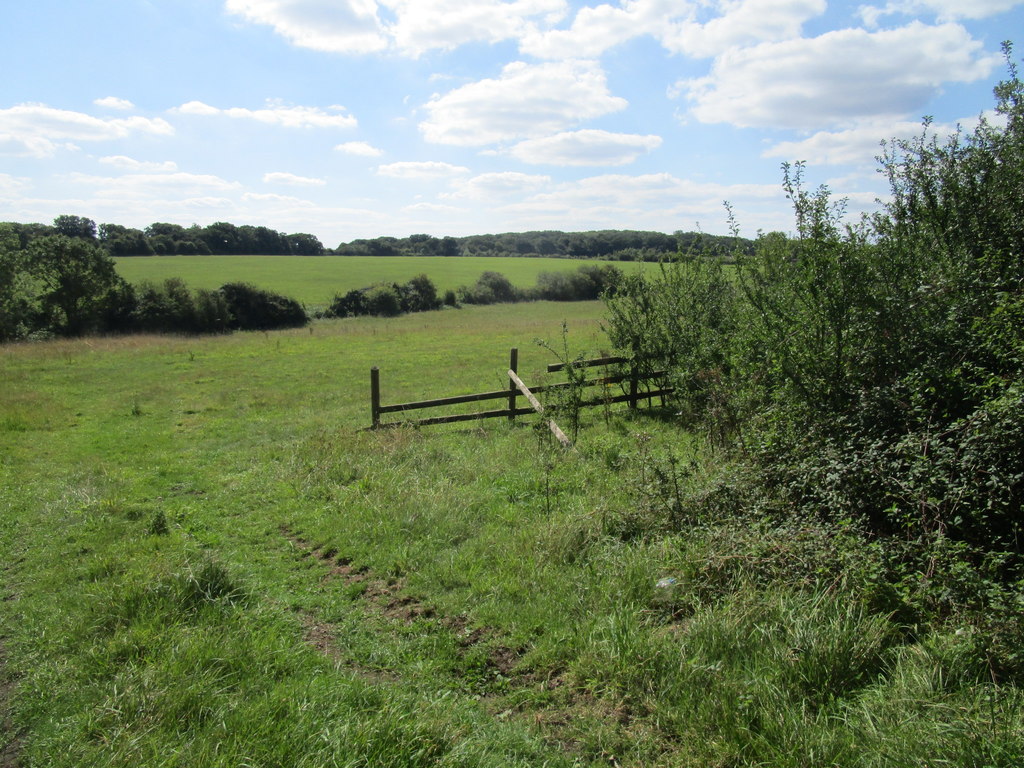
[631, 376]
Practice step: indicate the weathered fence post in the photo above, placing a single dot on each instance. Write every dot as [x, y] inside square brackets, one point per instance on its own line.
[634, 380]
[513, 390]
[375, 397]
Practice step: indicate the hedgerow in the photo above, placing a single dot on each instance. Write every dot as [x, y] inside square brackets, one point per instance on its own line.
[871, 372]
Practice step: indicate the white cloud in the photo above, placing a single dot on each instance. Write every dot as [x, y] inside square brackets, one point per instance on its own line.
[147, 185]
[682, 26]
[130, 164]
[659, 201]
[421, 171]
[422, 25]
[860, 145]
[836, 78]
[586, 147]
[431, 208]
[944, 10]
[340, 26]
[525, 101]
[741, 23]
[360, 149]
[410, 26]
[273, 198]
[595, 29]
[276, 114]
[36, 130]
[292, 180]
[857, 146]
[11, 184]
[488, 186]
[112, 102]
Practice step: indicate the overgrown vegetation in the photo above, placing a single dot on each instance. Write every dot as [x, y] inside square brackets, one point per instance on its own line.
[870, 374]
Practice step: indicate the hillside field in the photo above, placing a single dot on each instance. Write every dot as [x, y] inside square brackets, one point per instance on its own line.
[314, 280]
[207, 561]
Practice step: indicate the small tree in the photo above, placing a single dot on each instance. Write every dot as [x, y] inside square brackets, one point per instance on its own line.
[19, 307]
[78, 282]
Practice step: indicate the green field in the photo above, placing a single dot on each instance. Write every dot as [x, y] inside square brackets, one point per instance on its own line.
[314, 280]
[207, 562]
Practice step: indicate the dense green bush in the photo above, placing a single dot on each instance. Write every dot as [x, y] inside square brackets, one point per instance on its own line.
[587, 283]
[172, 307]
[254, 309]
[383, 300]
[490, 288]
[871, 371]
[387, 299]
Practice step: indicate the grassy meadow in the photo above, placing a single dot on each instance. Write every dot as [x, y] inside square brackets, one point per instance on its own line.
[208, 562]
[314, 280]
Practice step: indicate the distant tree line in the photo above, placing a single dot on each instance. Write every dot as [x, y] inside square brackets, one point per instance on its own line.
[66, 285]
[161, 239]
[224, 239]
[612, 245]
[62, 281]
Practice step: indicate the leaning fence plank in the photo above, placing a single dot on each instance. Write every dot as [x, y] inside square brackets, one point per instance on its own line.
[559, 434]
[526, 391]
[565, 441]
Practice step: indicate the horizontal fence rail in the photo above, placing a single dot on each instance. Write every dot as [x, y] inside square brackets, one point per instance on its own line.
[518, 389]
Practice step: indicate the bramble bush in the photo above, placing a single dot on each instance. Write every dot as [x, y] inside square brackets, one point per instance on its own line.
[872, 371]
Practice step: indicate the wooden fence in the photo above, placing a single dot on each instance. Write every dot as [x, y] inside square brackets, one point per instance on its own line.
[630, 376]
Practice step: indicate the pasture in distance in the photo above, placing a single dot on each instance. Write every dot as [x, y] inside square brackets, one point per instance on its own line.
[314, 280]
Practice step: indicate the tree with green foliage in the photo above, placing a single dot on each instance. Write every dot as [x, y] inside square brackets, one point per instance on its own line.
[124, 241]
[75, 226]
[19, 306]
[78, 282]
[302, 244]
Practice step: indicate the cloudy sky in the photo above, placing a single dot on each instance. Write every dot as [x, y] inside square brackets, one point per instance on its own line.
[359, 118]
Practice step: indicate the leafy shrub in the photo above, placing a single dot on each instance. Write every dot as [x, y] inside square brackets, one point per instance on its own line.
[387, 299]
[587, 283]
[875, 367]
[490, 288]
[419, 295]
[384, 300]
[352, 304]
[682, 318]
[252, 308]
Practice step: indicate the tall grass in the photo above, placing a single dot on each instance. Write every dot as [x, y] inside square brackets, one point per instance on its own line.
[209, 563]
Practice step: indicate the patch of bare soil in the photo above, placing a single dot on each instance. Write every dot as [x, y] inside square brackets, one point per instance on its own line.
[385, 598]
[566, 709]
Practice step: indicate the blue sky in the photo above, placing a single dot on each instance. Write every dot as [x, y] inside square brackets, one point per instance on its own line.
[359, 118]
